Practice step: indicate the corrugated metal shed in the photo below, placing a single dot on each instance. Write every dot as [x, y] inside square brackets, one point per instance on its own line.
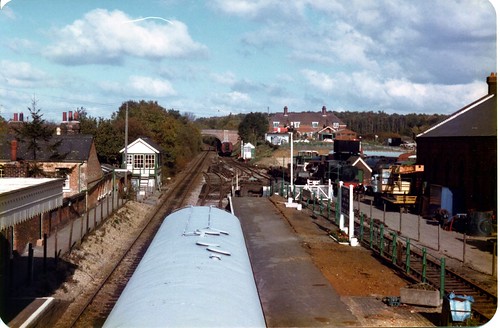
[196, 273]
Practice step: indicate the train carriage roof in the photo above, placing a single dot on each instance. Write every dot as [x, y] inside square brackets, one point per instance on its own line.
[195, 273]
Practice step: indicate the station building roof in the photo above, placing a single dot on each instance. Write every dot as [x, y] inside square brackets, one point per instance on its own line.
[24, 198]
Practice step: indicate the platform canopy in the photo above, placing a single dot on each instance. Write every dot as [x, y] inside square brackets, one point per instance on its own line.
[24, 198]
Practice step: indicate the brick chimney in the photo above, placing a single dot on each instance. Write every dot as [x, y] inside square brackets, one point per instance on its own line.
[13, 150]
[492, 83]
[285, 111]
[70, 123]
[323, 110]
[16, 117]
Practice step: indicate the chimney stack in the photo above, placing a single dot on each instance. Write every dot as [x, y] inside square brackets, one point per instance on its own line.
[69, 124]
[16, 117]
[21, 117]
[323, 110]
[285, 111]
[492, 83]
[13, 150]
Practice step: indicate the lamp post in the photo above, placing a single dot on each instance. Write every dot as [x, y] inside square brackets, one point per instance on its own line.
[291, 162]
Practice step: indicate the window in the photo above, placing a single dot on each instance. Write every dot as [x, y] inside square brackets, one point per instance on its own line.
[314, 124]
[276, 124]
[66, 186]
[138, 161]
[296, 124]
[63, 173]
[149, 161]
[336, 125]
[129, 159]
[1, 171]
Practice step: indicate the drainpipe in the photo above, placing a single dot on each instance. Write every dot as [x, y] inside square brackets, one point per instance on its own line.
[80, 177]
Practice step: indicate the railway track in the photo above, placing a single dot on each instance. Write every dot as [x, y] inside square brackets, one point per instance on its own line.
[93, 309]
[429, 271]
[247, 170]
[221, 175]
[485, 303]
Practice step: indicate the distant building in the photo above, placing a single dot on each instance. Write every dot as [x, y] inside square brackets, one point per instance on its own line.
[460, 157]
[144, 161]
[305, 125]
[248, 151]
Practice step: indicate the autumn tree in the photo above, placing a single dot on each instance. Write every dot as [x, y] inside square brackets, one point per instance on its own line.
[174, 132]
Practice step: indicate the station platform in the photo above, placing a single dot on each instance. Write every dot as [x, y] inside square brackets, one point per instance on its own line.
[293, 291]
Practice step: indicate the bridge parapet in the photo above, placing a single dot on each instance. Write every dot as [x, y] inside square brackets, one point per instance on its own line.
[223, 135]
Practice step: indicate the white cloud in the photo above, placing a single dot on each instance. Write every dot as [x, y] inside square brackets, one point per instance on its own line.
[258, 9]
[241, 8]
[21, 74]
[145, 86]
[371, 92]
[20, 45]
[320, 81]
[226, 78]
[234, 98]
[104, 37]
[139, 86]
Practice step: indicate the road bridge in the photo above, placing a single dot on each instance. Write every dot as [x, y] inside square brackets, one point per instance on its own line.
[223, 135]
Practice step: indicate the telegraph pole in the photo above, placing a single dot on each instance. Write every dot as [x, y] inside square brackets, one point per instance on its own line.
[126, 145]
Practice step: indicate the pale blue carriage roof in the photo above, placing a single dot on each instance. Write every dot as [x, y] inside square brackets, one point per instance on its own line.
[196, 273]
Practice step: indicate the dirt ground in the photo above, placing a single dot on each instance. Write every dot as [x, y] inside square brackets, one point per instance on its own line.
[352, 271]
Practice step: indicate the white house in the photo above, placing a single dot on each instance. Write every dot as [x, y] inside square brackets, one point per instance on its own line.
[144, 161]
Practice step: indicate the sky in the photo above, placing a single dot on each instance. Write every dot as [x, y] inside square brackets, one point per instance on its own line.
[213, 58]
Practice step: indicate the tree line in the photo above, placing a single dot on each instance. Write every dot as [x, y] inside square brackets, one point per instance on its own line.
[253, 126]
[175, 133]
[369, 124]
[179, 135]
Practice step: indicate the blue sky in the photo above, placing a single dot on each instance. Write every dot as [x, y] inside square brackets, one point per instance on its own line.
[212, 58]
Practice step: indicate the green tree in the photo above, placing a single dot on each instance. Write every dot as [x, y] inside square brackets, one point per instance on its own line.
[88, 124]
[253, 127]
[174, 132]
[36, 133]
[109, 140]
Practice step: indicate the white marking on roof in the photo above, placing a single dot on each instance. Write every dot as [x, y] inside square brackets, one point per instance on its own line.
[458, 113]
